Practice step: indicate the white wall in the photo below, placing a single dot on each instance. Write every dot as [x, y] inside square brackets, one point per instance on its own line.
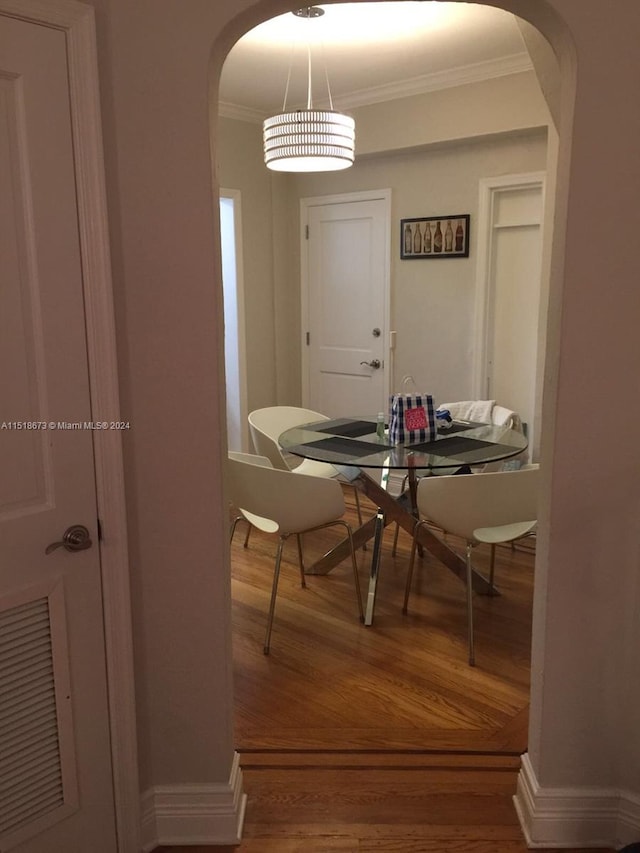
[503, 104]
[154, 64]
[433, 301]
[498, 127]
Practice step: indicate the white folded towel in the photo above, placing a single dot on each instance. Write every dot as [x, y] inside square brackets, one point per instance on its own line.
[509, 418]
[471, 410]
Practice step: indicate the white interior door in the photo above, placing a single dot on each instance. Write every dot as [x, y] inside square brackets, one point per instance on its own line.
[56, 790]
[510, 287]
[345, 274]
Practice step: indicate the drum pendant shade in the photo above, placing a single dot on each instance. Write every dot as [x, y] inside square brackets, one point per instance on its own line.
[309, 140]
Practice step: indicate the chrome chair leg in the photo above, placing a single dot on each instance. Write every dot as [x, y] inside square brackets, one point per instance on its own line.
[412, 559]
[358, 510]
[276, 575]
[356, 578]
[233, 526]
[395, 540]
[472, 658]
[274, 592]
[492, 569]
[303, 580]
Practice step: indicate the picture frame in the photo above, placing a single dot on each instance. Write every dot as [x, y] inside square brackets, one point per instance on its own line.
[435, 237]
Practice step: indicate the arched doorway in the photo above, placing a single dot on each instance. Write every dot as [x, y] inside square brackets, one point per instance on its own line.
[547, 260]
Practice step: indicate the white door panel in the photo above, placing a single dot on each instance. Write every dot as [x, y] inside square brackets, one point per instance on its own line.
[340, 395]
[56, 791]
[509, 292]
[346, 260]
[513, 344]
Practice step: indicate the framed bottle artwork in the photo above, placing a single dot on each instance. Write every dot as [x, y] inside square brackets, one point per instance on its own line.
[435, 237]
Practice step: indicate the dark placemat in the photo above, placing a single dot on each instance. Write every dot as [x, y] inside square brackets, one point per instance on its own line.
[456, 426]
[351, 429]
[348, 446]
[459, 445]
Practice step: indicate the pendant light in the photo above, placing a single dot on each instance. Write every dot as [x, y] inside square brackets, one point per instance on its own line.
[308, 140]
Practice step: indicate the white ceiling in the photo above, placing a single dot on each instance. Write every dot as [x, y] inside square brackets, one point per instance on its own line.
[370, 52]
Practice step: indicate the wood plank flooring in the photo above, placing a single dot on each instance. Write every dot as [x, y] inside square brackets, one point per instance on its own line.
[401, 684]
[434, 805]
[359, 739]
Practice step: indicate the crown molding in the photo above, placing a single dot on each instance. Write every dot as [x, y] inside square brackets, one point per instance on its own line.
[461, 76]
[477, 72]
[237, 111]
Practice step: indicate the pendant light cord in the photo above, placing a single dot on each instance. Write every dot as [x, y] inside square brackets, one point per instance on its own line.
[286, 88]
[326, 77]
[309, 73]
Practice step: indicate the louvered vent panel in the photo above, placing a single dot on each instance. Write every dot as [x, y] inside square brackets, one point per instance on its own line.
[30, 762]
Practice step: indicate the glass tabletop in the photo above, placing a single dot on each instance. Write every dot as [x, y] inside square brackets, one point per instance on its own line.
[353, 441]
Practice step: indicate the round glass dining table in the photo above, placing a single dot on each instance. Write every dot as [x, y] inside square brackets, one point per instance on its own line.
[353, 441]
[353, 445]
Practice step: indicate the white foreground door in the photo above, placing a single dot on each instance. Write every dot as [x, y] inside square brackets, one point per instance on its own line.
[345, 273]
[55, 765]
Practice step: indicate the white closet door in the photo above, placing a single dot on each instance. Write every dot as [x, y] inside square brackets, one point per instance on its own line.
[56, 785]
[510, 288]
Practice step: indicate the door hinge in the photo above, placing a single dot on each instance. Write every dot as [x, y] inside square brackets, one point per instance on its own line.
[306, 232]
[99, 526]
[308, 338]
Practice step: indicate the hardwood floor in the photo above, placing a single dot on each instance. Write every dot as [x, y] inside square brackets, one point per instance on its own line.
[407, 804]
[402, 684]
[361, 739]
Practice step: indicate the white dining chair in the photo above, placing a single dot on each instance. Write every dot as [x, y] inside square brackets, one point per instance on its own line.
[493, 413]
[493, 507]
[256, 460]
[268, 423]
[282, 503]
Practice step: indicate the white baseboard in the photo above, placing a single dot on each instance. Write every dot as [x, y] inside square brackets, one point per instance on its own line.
[194, 814]
[575, 817]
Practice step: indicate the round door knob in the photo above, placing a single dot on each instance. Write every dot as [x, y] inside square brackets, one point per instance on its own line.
[75, 538]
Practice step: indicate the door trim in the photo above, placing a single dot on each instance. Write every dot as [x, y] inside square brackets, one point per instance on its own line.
[342, 198]
[77, 21]
[489, 188]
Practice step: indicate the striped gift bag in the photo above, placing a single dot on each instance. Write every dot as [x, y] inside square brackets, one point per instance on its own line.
[412, 418]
